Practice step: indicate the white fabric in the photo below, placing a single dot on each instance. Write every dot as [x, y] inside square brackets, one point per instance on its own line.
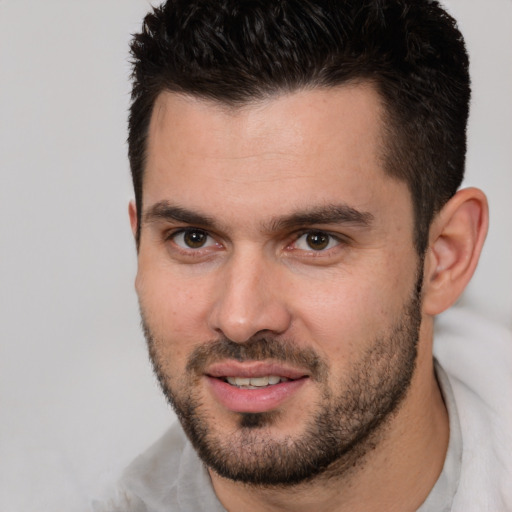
[476, 357]
[441, 497]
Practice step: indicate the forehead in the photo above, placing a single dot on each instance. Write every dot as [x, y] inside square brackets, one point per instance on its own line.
[314, 146]
[303, 121]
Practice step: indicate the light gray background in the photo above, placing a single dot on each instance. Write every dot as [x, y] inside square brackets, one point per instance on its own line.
[77, 396]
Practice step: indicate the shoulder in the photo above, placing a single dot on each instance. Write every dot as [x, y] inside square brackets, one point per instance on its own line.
[167, 477]
[476, 355]
[156, 471]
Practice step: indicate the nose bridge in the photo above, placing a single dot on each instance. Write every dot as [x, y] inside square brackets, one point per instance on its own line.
[249, 300]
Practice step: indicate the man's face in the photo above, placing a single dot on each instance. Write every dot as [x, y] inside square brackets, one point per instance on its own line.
[277, 279]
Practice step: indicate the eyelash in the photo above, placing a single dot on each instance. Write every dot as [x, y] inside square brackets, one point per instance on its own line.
[329, 250]
[173, 235]
[199, 251]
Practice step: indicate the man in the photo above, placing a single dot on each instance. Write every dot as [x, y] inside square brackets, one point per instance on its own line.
[298, 223]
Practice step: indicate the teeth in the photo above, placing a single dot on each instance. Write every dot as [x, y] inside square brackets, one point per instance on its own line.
[241, 381]
[255, 382]
[259, 381]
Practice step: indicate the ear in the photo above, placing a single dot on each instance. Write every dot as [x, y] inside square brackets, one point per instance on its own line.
[457, 235]
[132, 212]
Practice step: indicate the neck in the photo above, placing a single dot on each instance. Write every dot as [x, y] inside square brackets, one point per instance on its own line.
[397, 470]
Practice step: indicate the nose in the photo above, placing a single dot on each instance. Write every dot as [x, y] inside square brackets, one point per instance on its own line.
[250, 299]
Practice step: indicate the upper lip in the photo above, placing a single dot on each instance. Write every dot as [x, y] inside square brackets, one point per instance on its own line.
[251, 369]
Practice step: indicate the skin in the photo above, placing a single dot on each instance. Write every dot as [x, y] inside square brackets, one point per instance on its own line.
[244, 169]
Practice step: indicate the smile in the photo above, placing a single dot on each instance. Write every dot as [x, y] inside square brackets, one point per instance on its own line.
[255, 382]
[249, 388]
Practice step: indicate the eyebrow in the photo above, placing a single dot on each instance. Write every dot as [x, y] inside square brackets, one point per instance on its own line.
[327, 214]
[163, 210]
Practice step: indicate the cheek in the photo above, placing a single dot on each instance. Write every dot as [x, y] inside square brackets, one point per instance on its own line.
[341, 317]
[170, 300]
[175, 313]
[346, 314]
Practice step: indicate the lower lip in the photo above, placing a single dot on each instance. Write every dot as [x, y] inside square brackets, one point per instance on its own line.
[254, 400]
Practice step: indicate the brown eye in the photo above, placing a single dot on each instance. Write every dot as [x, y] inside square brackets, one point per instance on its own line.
[195, 239]
[318, 240]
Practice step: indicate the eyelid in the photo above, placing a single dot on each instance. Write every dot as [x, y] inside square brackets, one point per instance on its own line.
[340, 240]
[213, 242]
[171, 235]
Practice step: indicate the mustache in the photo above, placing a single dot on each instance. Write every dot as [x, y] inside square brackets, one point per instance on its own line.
[259, 348]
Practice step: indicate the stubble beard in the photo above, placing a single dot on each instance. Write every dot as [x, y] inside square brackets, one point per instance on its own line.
[342, 428]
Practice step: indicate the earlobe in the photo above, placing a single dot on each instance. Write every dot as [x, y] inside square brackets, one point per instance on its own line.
[132, 212]
[457, 235]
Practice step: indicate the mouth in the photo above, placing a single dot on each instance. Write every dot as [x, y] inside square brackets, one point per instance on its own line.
[254, 386]
[254, 374]
[255, 382]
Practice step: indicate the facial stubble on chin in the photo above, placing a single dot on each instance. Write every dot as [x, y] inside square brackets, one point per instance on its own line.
[342, 427]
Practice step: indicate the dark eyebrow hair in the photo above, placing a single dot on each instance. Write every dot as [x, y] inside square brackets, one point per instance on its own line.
[328, 214]
[163, 210]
